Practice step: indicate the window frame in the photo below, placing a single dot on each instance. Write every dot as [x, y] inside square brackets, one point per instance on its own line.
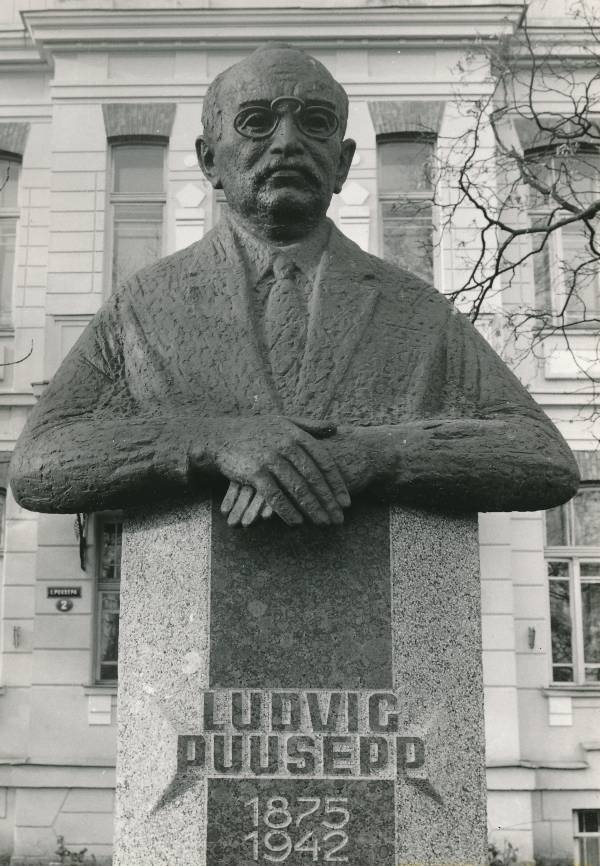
[11, 214]
[101, 587]
[116, 198]
[573, 554]
[428, 196]
[580, 835]
[554, 246]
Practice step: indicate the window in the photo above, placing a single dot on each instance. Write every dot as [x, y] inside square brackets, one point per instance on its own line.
[137, 204]
[109, 536]
[565, 260]
[9, 184]
[573, 566]
[2, 519]
[587, 837]
[404, 177]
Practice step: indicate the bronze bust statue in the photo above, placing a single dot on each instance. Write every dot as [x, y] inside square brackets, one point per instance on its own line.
[278, 356]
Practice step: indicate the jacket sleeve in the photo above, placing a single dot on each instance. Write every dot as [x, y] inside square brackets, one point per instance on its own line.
[481, 442]
[86, 445]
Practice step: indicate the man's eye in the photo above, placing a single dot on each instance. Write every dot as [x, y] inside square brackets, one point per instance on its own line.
[255, 120]
[318, 121]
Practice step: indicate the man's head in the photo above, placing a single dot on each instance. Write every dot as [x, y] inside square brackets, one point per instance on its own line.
[273, 139]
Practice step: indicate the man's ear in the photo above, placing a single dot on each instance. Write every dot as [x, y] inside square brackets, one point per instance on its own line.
[344, 163]
[206, 161]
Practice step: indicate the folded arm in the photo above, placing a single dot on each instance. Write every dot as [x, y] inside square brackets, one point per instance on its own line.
[518, 463]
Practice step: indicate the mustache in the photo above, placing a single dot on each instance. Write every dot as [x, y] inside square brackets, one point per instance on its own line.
[288, 165]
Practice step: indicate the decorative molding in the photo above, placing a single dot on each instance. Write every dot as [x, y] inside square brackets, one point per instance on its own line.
[399, 116]
[13, 137]
[77, 29]
[18, 52]
[99, 709]
[127, 119]
[4, 461]
[531, 136]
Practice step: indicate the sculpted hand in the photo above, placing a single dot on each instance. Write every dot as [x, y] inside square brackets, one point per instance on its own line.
[279, 463]
[244, 505]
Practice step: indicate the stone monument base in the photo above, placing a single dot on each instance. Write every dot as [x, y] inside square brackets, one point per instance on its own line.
[300, 695]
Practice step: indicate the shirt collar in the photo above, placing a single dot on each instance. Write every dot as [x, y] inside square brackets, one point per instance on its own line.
[305, 254]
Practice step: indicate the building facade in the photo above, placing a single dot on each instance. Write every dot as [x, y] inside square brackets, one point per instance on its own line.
[100, 103]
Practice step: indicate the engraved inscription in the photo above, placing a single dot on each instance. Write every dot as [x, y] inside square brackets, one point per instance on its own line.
[299, 822]
[274, 733]
[315, 826]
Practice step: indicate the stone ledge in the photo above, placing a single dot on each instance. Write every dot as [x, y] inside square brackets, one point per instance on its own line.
[99, 689]
[572, 691]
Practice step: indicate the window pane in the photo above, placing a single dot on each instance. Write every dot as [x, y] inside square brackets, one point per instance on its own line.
[110, 554]
[586, 506]
[592, 675]
[558, 569]
[560, 621]
[137, 238]
[2, 518]
[138, 168]
[589, 820]
[9, 183]
[541, 169]
[580, 272]
[556, 527]
[562, 674]
[589, 851]
[590, 613]
[408, 236]
[589, 569]
[8, 230]
[109, 635]
[541, 276]
[405, 166]
[576, 177]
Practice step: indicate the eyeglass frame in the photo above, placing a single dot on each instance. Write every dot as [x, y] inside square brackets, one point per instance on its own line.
[300, 107]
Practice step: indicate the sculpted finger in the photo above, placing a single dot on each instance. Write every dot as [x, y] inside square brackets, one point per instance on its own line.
[253, 510]
[277, 500]
[299, 489]
[318, 429]
[267, 511]
[230, 497]
[318, 483]
[329, 469]
[237, 512]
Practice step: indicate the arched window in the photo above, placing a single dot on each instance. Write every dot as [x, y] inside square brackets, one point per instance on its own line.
[573, 567]
[404, 180]
[566, 271]
[137, 200]
[10, 166]
[109, 529]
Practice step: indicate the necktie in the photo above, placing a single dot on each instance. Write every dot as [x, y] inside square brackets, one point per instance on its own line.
[285, 327]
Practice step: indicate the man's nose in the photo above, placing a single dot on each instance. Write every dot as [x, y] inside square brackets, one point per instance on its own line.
[287, 138]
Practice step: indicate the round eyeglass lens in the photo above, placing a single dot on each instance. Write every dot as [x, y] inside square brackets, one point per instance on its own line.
[318, 122]
[255, 122]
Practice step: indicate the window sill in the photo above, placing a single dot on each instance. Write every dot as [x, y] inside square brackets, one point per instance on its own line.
[100, 689]
[553, 326]
[571, 690]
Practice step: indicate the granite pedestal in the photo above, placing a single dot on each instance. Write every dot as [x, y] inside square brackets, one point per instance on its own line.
[300, 695]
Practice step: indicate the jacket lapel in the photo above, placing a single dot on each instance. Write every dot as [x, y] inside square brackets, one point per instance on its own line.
[240, 348]
[342, 306]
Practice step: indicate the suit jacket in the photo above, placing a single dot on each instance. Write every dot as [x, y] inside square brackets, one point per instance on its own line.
[177, 347]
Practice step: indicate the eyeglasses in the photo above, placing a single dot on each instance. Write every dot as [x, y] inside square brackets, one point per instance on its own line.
[258, 121]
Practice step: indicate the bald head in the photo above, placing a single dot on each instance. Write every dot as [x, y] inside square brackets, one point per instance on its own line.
[286, 68]
[271, 143]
